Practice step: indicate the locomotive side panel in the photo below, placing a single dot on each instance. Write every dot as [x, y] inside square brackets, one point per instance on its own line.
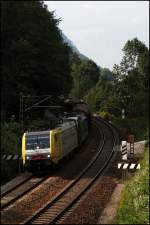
[63, 141]
[69, 140]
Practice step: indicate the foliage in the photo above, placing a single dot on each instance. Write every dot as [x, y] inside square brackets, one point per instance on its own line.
[135, 197]
[105, 115]
[136, 126]
[131, 78]
[146, 135]
[10, 137]
[127, 89]
[35, 60]
[99, 98]
[85, 75]
[10, 144]
[134, 83]
[106, 74]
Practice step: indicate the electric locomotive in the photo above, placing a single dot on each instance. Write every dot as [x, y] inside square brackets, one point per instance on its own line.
[43, 148]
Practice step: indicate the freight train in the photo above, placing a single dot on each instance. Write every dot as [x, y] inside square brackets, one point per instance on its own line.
[41, 149]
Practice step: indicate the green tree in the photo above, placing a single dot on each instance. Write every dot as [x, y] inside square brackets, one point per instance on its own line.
[127, 89]
[131, 89]
[100, 96]
[35, 59]
[85, 75]
[131, 77]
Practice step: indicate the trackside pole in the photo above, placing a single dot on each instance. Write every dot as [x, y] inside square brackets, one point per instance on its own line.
[131, 141]
[124, 158]
[124, 150]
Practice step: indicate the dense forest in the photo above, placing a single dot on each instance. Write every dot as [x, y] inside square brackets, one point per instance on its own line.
[36, 61]
[128, 90]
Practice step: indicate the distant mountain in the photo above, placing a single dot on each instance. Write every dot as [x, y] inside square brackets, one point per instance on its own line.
[73, 47]
[105, 72]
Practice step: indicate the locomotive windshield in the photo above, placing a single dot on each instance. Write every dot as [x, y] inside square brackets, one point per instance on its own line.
[37, 141]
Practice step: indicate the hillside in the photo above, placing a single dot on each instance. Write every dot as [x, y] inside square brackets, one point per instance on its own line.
[73, 47]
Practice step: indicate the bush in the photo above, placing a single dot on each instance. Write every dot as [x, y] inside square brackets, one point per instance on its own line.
[105, 115]
[10, 138]
[134, 205]
[10, 144]
[136, 126]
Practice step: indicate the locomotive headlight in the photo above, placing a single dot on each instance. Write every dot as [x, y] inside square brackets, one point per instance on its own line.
[48, 156]
[28, 157]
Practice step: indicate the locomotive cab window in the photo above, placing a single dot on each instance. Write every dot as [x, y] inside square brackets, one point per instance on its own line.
[37, 141]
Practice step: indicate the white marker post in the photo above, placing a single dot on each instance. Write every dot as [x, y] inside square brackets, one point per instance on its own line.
[124, 150]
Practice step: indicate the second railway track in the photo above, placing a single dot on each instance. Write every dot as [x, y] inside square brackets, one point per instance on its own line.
[20, 190]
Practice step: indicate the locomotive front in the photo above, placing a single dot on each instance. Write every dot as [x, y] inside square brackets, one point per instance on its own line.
[36, 149]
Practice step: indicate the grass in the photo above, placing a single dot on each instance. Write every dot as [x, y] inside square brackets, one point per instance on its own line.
[134, 205]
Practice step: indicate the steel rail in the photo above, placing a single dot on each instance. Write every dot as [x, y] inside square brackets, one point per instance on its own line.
[4, 205]
[5, 192]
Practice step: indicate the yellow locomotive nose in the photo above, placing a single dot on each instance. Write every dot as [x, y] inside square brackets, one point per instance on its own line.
[24, 148]
[56, 145]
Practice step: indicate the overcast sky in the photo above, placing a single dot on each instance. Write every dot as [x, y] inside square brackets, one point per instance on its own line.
[100, 29]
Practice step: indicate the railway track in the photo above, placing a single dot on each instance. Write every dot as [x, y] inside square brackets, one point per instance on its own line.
[21, 189]
[59, 203]
[88, 209]
[10, 186]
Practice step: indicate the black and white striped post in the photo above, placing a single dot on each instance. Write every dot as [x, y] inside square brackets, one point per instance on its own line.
[124, 154]
[124, 151]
